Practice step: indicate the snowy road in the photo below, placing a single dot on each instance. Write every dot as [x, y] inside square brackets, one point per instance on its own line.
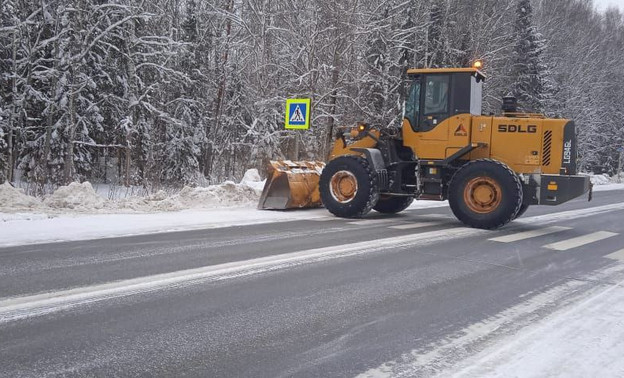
[410, 295]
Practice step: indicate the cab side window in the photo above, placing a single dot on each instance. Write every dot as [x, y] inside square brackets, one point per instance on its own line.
[412, 105]
[436, 95]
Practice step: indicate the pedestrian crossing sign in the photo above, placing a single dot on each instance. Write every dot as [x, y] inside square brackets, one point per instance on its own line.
[298, 113]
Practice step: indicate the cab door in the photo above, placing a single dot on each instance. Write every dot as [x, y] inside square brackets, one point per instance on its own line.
[434, 133]
[436, 126]
[435, 106]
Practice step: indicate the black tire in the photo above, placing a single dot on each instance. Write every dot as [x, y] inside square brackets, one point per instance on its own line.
[392, 204]
[503, 194]
[367, 191]
[523, 208]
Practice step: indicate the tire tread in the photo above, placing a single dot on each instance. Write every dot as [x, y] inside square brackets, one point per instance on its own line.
[372, 195]
[518, 185]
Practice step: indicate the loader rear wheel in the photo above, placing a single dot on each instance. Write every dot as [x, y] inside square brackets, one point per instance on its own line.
[393, 204]
[348, 187]
[485, 194]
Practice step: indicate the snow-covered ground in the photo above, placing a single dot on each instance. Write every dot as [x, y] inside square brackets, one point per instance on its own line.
[575, 329]
[25, 228]
[583, 340]
[78, 212]
[604, 182]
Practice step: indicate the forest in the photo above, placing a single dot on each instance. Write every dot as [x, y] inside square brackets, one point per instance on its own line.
[192, 92]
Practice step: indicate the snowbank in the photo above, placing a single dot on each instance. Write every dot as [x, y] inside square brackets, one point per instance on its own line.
[228, 194]
[252, 179]
[75, 196]
[13, 198]
[604, 183]
[81, 198]
[600, 179]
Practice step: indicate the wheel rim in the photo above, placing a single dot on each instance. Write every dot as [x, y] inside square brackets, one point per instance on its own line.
[482, 195]
[343, 186]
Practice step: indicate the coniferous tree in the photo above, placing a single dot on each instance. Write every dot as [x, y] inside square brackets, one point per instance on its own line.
[376, 80]
[436, 37]
[528, 71]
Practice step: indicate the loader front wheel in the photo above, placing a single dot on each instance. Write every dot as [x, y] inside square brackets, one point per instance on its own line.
[348, 187]
[393, 204]
[523, 209]
[485, 194]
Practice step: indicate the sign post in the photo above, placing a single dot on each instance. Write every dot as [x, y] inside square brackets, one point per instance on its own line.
[619, 170]
[297, 118]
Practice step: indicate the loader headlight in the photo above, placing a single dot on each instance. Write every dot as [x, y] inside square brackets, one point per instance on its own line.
[478, 64]
[361, 127]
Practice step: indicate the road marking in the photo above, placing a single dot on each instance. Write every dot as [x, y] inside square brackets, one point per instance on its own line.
[434, 357]
[411, 226]
[39, 304]
[16, 308]
[580, 241]
[619, 255]
[324, 219]
[443, 216]
[366, 222]
[570, 214]
[529, 234]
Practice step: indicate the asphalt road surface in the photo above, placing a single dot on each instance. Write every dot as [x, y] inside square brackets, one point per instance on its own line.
[404, 295]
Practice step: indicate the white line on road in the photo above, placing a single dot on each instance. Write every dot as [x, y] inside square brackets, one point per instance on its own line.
[570, 214]
[619, 255]
[580, 241]
[39, 304]
[529, 234]
[367, 222]
[411, 226]
[435, 215]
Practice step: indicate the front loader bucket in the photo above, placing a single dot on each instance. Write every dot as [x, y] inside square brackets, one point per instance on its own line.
[292, 185]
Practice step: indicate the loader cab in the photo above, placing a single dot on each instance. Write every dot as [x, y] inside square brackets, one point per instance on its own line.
[436, 94]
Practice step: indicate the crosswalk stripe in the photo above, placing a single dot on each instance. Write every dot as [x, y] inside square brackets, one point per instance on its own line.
[528, 234]
[435, 215]
[580, 240]
[619, 255]
[371, 221]
[411, 226]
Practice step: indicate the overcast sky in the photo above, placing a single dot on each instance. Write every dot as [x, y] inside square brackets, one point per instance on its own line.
[603, 4]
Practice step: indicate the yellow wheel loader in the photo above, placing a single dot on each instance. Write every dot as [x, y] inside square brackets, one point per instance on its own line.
[490, 168]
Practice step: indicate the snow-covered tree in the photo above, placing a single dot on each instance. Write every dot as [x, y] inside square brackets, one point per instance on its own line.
[175, 92]
[437, 48]
[528, 70]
